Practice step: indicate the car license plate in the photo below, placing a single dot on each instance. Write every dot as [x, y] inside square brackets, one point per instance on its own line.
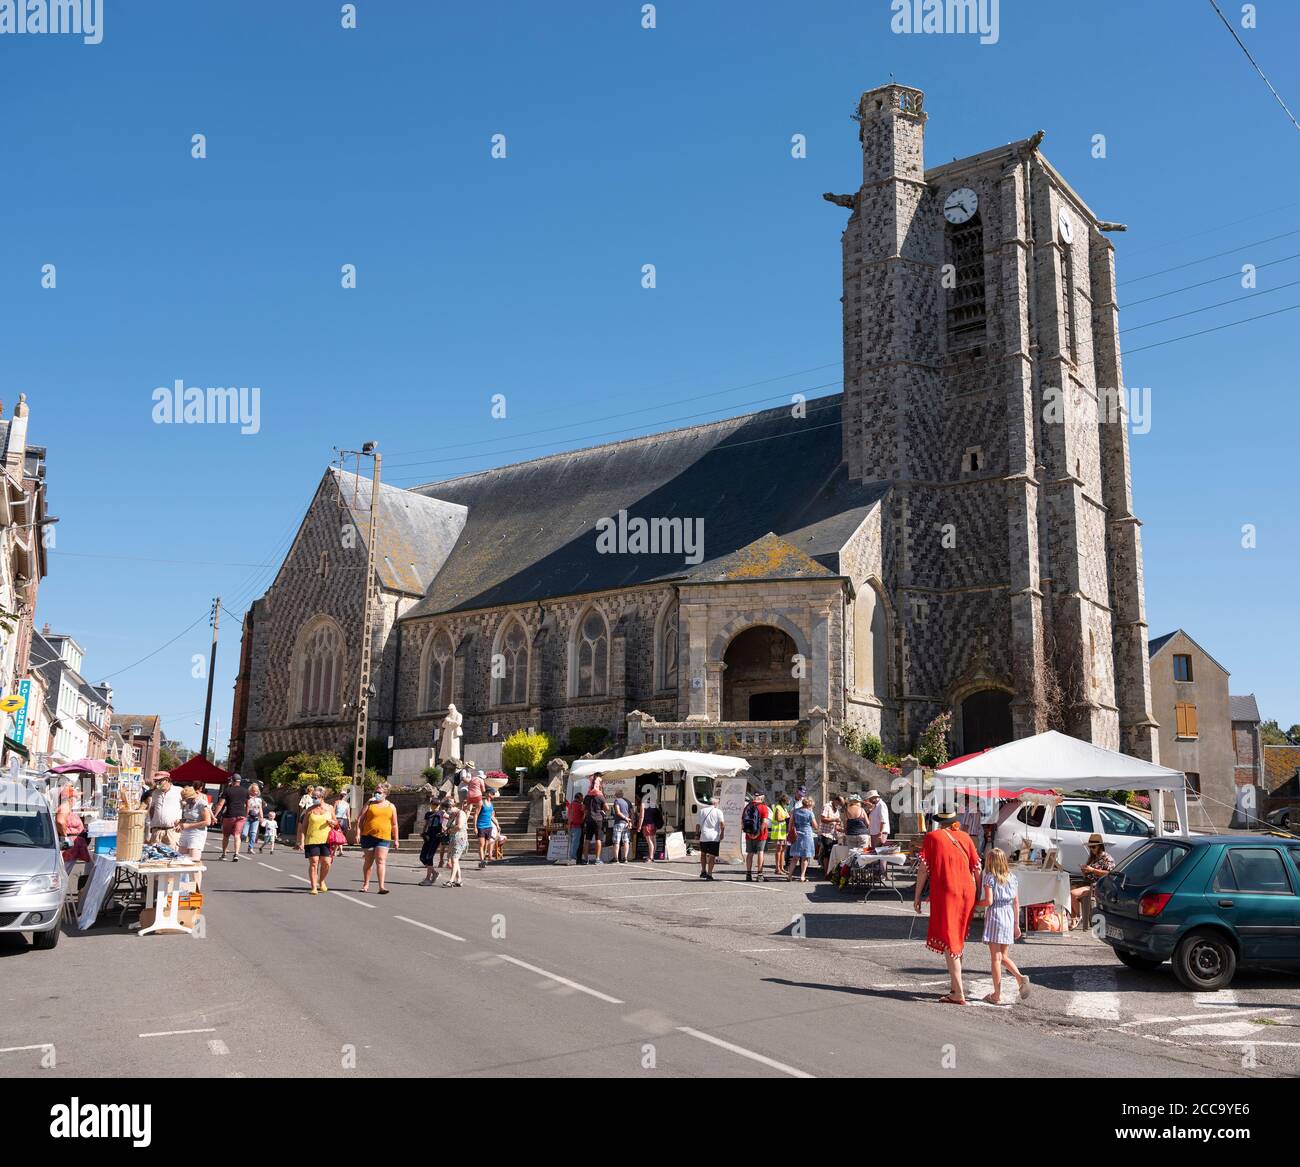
[1113, 933]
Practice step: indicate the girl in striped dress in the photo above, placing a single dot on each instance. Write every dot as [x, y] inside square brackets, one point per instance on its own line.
[1001, 904]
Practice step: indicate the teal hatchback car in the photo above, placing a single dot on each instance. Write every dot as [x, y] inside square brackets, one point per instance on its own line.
[1210, 904]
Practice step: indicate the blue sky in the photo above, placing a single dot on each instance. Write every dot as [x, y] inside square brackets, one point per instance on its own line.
[521, 276]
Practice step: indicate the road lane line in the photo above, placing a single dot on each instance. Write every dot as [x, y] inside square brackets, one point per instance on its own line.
[176, 1032]
[429, 928]
[1217, 1000]
[541, 972]
[261, 864]
[218, 1047]
[16, 1049]
[350, 899]
[299, 878]
[744, 1053]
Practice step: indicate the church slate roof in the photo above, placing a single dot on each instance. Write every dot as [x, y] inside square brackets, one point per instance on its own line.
[531, 531]
[415, 533]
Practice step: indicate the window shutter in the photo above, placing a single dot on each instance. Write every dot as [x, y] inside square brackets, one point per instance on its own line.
[1191, 721]
[1180, 718]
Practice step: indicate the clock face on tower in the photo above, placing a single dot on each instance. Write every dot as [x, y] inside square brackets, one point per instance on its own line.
[960, 205]
[1065, 226]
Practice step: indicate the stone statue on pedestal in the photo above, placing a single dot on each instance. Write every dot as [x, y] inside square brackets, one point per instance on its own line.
[451, 732]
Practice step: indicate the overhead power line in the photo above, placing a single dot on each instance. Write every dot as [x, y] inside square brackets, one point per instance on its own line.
[1255, 65]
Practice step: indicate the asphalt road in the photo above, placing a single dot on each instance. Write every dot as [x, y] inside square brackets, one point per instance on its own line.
[531, 970]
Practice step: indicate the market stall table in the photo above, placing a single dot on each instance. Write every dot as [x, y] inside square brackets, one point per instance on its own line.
[168, 913]
[135, 884]
[1040, 886]
[881, 875]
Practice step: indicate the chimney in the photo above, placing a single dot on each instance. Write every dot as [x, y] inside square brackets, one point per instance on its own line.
[16, 449]
[45, 628]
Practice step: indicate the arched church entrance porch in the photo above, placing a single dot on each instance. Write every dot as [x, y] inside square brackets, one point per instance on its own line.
[759, 681]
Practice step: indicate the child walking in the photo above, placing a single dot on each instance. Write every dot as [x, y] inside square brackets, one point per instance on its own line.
[269, 828]
[1001, 904]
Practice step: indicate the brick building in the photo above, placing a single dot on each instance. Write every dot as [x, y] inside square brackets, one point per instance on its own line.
[955, 530]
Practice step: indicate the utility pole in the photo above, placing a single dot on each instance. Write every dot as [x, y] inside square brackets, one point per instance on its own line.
[367, 620]
[212, 669]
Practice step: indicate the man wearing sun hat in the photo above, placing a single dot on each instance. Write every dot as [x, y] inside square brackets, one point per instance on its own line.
[877, 818]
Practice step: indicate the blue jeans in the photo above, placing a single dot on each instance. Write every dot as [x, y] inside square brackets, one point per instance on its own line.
[575, 842]
[252, 828]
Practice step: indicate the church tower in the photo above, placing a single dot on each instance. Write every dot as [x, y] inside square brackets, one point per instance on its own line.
[979, 323]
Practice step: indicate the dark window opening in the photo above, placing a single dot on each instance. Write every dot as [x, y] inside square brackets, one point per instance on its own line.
[774, 706]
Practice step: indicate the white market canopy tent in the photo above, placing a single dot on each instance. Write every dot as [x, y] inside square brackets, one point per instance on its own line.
[1059, 762]
[655, 761]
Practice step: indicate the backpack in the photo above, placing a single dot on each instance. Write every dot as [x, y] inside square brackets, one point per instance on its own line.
[751, 822]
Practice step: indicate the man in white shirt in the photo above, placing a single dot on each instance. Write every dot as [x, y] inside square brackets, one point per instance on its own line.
[877, 819]
[712, 829]
[164, 811]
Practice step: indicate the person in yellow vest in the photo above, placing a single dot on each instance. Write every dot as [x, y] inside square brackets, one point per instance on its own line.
[378, 833]
[779, 830]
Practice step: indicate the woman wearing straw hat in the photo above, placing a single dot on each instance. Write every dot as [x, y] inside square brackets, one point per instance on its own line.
[195, 819]
[950, 865]
[1098, 863]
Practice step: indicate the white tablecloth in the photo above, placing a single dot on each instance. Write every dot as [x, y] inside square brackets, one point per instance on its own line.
[840, 853]
[1043, 887]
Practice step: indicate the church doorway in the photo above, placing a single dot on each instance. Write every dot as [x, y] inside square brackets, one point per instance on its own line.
[985, 720]
[759, 682]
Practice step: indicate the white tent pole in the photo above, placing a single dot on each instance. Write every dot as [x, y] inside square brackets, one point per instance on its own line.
[1180, 802]
[1158, 810]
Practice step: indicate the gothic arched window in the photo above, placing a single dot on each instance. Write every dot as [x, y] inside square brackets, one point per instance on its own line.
[318, 668]
[591, 656]
[510, 665]
[439, 662]
[667, 648]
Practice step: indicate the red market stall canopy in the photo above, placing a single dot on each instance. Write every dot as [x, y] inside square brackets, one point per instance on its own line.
[199, 772]
[1054, 761]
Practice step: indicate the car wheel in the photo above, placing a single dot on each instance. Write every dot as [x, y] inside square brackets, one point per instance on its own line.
[1205, 961]
[1141, 963]
[46, 939]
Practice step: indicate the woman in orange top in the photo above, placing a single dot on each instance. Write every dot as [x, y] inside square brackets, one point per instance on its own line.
[950, 865]
[378, 833]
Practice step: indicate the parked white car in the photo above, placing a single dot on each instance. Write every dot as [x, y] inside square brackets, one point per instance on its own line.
[31, 867]
[1069, 826]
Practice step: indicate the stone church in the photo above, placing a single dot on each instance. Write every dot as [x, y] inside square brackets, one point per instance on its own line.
[955, 530]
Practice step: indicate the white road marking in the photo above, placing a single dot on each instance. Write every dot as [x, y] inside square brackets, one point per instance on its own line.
[541, 972]
[267, 865]
[654, 895]
[350, 899]
[1198, 1016]
[15, 1049]
[744, 1053]
[429, 928]
[1217, 1029]
[1220, 1000]
[1095, 995]
[299, 878]
[176, 1032]
[218, 1047]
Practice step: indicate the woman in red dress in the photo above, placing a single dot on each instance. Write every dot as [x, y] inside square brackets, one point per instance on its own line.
[950, 865]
